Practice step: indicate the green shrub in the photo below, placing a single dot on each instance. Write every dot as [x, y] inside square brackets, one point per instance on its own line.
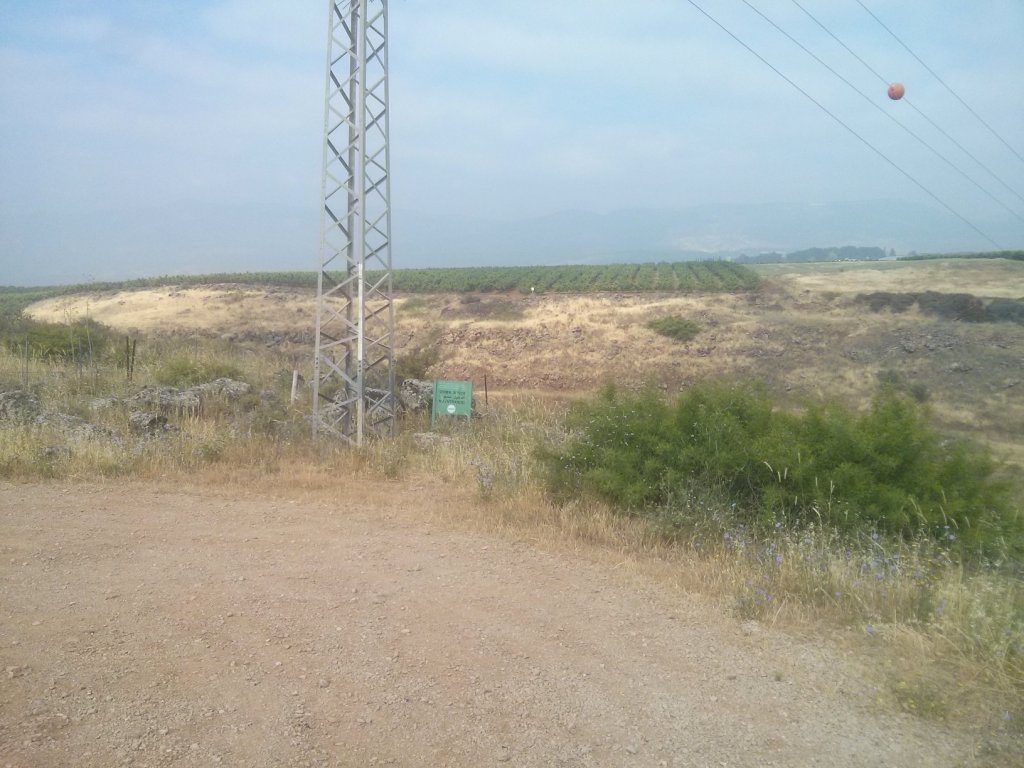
[184, 371]
[675, 327]
[1007, 310]
[416, 363]
[894, 379]
[885, 469]
[79, 341]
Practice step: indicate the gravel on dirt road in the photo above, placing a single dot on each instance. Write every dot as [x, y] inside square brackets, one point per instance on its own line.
[148, 626]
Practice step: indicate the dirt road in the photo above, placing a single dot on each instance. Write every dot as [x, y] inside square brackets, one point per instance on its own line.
[151, 627]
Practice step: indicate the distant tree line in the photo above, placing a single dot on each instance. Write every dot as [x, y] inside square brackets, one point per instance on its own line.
[842, 253]
[1011, 255]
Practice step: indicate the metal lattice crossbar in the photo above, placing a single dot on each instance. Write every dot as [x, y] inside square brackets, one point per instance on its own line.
[354, 379]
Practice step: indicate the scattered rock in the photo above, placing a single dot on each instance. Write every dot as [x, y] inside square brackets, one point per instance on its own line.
[18, 405]
[73, 427]
[55, 453]
[430, 439]
[63, 421]
[169, 399]
[960, 368]
[228, 388]
[1007, 310]
[166, 398]
[330, 417]
[950, 306]
[146, 422]
[415, 395]
[103, 403]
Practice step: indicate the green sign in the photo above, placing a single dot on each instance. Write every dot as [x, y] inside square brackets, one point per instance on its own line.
[452, 398]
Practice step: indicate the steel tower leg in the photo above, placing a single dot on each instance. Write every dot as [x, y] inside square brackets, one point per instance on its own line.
[354, 378]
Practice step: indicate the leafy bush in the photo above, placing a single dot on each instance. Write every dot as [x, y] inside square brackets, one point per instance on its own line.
[1007, 310]
[13, 301]
[78, 341]
[675, 327]
[415, 363]
[886, 469]
[894, 379]
[185, 371]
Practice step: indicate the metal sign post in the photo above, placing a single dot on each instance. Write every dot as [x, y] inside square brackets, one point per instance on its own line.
[451, 398]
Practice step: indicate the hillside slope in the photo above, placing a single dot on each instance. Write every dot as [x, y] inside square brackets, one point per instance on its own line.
[803, 333]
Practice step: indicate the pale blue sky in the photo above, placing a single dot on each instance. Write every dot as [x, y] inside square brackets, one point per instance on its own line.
[149, 137]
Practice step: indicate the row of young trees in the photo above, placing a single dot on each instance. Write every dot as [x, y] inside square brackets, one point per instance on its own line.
[663, 276]
[579, 278]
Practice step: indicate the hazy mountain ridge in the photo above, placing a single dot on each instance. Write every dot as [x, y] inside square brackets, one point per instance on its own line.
[187, 238]
[697, 232]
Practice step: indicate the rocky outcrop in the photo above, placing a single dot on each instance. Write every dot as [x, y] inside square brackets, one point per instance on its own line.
[72, 427]
[415, 395]
[165, 399]
[147, 423]
[230, 389]
[19, 405]
[430, 439]
[24, 408]
[173, 399]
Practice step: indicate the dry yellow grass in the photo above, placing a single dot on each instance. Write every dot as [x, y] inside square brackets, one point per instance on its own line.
[802, 334]
[982, 277]
[215, 309]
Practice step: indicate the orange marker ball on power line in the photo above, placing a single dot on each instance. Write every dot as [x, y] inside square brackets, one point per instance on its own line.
[896, 91]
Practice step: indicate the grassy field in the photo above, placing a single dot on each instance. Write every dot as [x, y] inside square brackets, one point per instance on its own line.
[1015, 255]
[802, 332]
[945, 634]
[981, 277]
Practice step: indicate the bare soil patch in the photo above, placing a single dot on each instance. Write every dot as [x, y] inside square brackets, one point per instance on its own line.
[149, 626]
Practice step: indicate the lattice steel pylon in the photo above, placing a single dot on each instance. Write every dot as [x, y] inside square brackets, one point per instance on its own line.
[353, 369]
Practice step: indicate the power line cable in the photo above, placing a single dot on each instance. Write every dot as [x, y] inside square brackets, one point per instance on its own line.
[872, 102]
[944, 83]
[837, 119]
[911, 104]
